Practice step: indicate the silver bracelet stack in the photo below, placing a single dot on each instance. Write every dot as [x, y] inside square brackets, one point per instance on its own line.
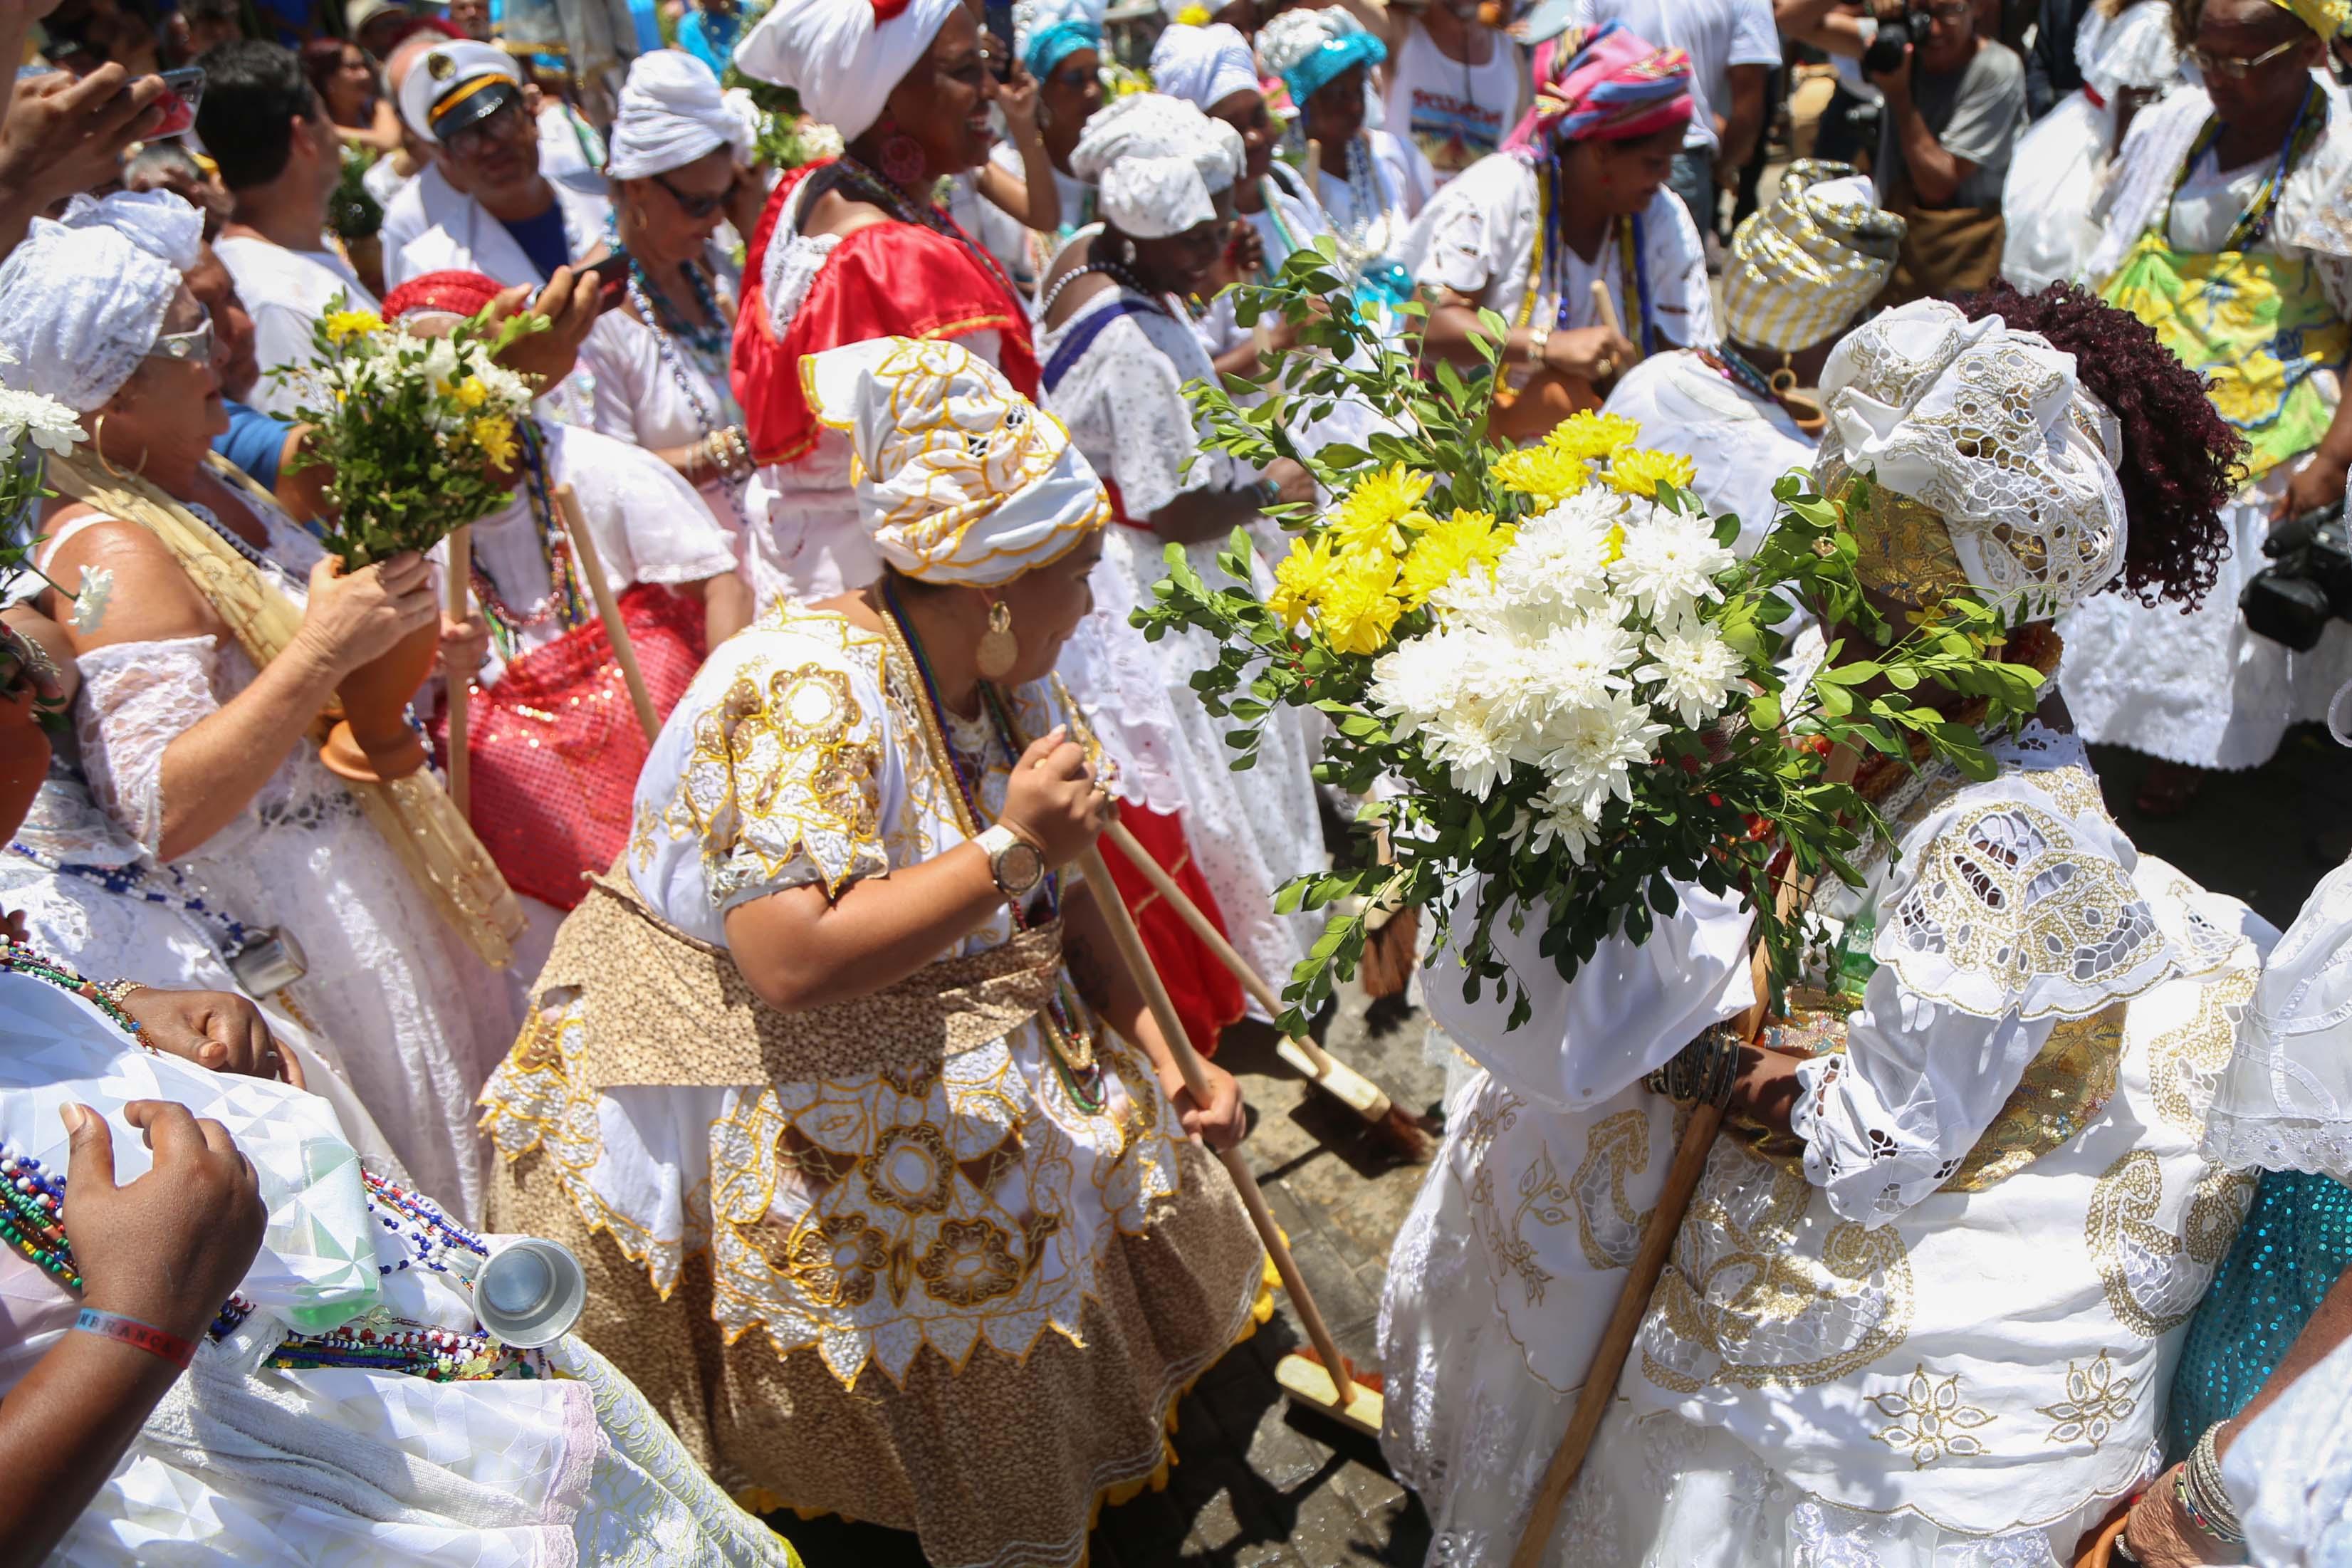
[2202, 1495]
[1706, 1070]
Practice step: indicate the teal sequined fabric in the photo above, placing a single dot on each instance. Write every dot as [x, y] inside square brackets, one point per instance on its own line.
[2295, 1241]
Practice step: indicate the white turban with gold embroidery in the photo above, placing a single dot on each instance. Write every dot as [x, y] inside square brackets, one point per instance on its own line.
[1990, 433]
[960, 478]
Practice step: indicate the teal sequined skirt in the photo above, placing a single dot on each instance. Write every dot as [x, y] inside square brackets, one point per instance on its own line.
[2296, 1239]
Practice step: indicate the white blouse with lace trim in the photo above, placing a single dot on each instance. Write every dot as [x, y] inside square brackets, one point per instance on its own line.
[2286, 1100]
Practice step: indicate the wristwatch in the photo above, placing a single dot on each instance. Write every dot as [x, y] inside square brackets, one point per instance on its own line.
[1013, 860]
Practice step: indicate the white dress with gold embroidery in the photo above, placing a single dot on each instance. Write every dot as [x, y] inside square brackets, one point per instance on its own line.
[972, 1209]
[1939, 1335]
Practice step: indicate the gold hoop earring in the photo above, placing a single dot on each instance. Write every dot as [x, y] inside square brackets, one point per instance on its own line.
[97, 445]
[1000, 650]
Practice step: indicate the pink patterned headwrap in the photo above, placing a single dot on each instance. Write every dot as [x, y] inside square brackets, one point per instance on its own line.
[1605, 84]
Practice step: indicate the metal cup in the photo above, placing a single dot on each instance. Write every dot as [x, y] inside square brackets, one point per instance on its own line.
[530, 1293]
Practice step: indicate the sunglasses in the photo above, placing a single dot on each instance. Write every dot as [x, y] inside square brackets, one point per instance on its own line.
[497, 125]
[195, 344]
[2232, 68]
[691, 204]
[1076, 79]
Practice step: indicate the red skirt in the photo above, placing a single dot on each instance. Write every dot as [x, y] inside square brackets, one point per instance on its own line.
[555, 747]
[1206, 994]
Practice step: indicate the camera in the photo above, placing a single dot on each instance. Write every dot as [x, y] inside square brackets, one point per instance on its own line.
[2307, 583]
[1885, 53]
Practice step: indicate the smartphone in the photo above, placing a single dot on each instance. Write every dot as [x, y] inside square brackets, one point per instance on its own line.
[612, 275]
[183, 89]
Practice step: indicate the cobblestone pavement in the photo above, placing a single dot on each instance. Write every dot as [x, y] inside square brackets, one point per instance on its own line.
[1261, 1484]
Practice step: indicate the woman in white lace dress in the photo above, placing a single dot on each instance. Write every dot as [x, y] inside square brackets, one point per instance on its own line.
[1118, 355]
[2125, 52]
[205, 762]
[1922, 1308]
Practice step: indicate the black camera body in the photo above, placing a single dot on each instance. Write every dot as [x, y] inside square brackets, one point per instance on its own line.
[2307, 583]
[1884, 54]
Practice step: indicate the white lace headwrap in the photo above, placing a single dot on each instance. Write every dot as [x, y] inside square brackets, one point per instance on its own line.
[1990, 429]
[1158, 162]
[671, 113]
[1203, 65]
[83, 300]
[839, 54]
[960, 478]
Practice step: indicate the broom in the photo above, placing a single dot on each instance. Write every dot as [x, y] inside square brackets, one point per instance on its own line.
[608, 610]
[1324, 1384]
[1397, 1132]
[461, 761]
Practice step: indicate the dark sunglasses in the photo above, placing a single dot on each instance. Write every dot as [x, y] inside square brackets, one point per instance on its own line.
[689, 204]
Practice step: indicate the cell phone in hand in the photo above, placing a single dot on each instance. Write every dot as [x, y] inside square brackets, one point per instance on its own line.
[612, 275]
[183, 89]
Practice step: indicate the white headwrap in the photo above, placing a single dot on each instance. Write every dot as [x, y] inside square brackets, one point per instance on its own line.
[840, 56]
[1203, 65]
[671, 113]
[1158, 162]
[960, 478]
[1989, 429]
[83, 300]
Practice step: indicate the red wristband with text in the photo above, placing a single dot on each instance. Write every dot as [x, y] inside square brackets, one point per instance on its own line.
[136, 1334]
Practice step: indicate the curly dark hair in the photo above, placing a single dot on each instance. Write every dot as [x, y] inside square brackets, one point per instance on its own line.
[2180, 457]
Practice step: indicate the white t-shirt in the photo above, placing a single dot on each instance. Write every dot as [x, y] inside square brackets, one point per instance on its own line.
[286, 291]
[1455, 114]
[1374, 221]
[1477, 236]
[1716, 33]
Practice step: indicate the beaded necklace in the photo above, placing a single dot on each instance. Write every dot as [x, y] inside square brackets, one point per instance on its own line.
[566, 604]
[1072, 1044]
[135, 881]
[32, 1217]
[1549, 259]
[1113, 271]
[652, 305]
[2255, 221]
[22, 959]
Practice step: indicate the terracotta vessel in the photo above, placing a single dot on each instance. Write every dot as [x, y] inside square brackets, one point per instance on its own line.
[374, 742]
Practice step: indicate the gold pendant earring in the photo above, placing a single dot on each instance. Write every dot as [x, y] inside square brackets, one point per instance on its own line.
[1000, 650]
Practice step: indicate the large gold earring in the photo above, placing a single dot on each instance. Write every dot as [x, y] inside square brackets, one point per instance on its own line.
[97, 445]
[1000, 650]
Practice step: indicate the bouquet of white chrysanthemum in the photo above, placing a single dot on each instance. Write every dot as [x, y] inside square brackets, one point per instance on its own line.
[1560, 658]
[420, 431]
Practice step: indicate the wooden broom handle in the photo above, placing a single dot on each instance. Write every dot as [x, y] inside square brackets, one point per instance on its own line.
[460, 569]
[1604, 305]
[592, 567]
[1129, 942]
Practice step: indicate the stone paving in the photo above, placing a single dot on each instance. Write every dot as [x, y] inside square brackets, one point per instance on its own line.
[1259, 1483]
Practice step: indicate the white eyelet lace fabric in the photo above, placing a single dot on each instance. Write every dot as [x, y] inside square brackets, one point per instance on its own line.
[1988, 428]
[2284, 1101]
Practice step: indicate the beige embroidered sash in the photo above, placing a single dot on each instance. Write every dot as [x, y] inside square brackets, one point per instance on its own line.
[416, 819]
[660, 1007]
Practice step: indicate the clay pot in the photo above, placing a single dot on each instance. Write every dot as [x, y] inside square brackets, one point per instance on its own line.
[374, 742]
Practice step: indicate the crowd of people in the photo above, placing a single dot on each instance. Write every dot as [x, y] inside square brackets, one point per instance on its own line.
[743, 935]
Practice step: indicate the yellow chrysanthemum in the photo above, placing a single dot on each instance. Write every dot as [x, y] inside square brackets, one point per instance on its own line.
[1546, 475]
[1444, 551]
[1360, 605]
[494, 434]
[1298, 580]
[1639, 471]
[1369, 512]
[342, 326]
[1195, 16]
[1592, 434]
[470, 393]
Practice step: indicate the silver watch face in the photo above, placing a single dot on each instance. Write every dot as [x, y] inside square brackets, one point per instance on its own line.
[1019, 867]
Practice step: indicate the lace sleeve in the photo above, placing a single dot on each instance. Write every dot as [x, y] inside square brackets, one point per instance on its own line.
[137, 698]
[2285, 1102]
[1890, 1119]
[785, 781]
[1454, 252]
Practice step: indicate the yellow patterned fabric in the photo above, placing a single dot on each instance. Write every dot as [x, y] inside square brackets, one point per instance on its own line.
[960, 478]
[1802, 267]
[2331, 19]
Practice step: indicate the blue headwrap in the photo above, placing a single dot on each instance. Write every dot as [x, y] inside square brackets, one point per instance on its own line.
[1328, 61]
[1049, 46]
